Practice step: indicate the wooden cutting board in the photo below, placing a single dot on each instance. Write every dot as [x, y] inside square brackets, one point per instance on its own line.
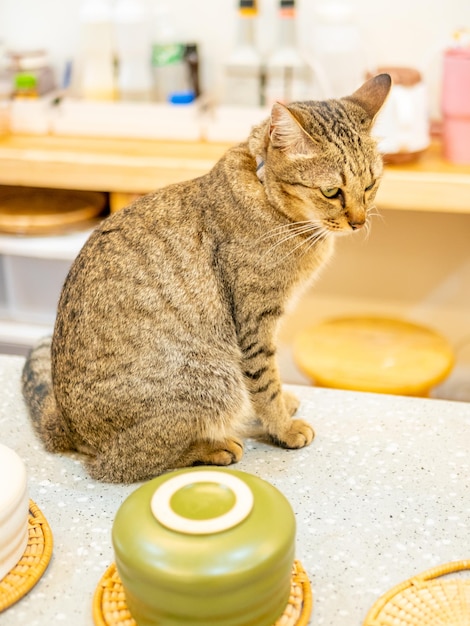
[38, 211]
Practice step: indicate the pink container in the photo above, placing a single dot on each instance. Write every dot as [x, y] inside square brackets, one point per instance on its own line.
[456, 105]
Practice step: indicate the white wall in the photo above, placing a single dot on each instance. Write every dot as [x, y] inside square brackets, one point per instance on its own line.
[394, 31]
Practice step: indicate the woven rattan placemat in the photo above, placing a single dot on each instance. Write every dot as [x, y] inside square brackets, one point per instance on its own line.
[32, 564]
[426, 601]
[109, 602]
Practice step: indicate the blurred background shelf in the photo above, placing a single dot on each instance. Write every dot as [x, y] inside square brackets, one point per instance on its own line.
[135, 166]
[415, 263]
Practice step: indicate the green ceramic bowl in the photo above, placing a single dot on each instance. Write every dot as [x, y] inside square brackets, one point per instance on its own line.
[205, 547]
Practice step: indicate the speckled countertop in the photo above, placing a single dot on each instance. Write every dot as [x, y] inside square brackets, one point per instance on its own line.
[382, 494]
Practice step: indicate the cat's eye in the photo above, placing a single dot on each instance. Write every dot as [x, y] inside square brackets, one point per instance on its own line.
[330, 192]
[370, 187]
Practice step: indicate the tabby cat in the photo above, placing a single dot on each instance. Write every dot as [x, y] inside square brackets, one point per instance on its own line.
[164, 347]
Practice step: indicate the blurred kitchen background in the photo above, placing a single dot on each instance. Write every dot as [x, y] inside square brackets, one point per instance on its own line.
[397, 32]
[415, 263]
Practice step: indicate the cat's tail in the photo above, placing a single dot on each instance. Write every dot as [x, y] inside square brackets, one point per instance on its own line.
[39, 397]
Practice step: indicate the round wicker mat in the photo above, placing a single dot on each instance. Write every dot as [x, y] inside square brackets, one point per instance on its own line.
[425, 601]
[32, 564]
[109, 602]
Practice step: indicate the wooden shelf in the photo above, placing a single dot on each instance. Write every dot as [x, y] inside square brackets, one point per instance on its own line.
[429, 184]
[114, 165]
[126, 166]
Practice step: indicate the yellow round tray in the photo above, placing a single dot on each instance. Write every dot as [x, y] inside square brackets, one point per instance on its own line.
[425, 601]
[375, 354]
[32, 564]
[109, 602]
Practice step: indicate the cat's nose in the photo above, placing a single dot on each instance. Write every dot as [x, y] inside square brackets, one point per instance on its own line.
[356, 216]
[355, 225]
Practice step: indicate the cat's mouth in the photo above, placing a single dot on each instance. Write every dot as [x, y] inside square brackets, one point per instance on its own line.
[345, 225]
[344, 228]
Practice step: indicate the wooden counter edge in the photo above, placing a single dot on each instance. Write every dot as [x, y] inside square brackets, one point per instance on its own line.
[136, 167]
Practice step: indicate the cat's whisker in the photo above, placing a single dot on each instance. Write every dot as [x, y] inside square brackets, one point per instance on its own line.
[291, 227]
[367, 228]
[299, 245]
[271, 249]
[314, 240]
[371, 213]
[311, 242]
[374, 211]
[300, 231]
[292, 233]
[318, 235]
[274, 231]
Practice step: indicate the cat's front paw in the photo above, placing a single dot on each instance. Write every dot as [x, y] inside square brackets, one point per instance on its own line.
[218, 453]
[298, 434]
[291, 401]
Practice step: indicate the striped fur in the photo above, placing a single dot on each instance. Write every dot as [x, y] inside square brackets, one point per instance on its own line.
[164, 348]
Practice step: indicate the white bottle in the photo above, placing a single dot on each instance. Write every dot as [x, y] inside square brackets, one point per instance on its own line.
[97, 81]
[243, 68]
[132, 38]
[169, 66]
[289, 76]
[339, 56]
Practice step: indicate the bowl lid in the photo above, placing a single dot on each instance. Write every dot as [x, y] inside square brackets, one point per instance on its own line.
[203, 503]
[203, 532]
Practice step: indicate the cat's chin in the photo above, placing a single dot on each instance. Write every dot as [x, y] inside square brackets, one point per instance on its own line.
[349, 231]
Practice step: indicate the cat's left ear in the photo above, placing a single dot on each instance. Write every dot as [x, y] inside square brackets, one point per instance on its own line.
[371, 96]
[287, 134]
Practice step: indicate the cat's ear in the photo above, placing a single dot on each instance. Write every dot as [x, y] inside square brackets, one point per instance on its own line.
[286, 133]
[371, 96]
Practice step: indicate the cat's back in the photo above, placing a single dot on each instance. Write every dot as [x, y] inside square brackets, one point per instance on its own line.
[146, 273]
[174, 234]
[144, 239]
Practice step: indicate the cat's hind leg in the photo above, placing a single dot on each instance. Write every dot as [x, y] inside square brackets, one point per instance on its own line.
[144, 451]
[206, 452]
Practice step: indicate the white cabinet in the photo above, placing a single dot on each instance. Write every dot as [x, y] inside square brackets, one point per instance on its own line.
[32, 272]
